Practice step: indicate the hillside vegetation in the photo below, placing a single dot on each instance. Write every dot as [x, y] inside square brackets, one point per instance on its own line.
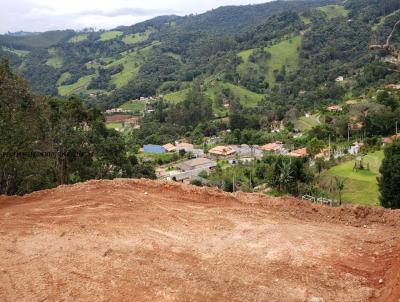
[266, 53]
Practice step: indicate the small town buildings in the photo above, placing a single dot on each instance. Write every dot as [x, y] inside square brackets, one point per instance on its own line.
[355, 148]
[184, 146]
[200, 164]
[118, 110]
[197, 153]
[275, 148]
[335, 108]
[221, 151]
[169, 147]
[299, 153]
[390, 140]
[153, 149]
[393, 86]
[244, 150]
[324, 154]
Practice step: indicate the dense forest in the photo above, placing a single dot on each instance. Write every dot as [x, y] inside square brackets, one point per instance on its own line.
[64, 142]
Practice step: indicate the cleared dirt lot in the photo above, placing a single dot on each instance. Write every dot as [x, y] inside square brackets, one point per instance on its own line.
[150, 241]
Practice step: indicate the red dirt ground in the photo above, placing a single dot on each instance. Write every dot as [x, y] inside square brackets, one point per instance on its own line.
[138, 240]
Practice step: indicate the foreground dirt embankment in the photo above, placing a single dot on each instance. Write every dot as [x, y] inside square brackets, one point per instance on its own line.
[128, 240]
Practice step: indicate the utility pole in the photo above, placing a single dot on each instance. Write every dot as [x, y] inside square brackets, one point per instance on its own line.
[348, 132]
[329, 146]
[396, 127]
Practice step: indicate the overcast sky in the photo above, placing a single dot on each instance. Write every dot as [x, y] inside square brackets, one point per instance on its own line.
[42, 15]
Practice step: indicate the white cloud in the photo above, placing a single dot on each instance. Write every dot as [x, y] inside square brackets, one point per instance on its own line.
[41, 15]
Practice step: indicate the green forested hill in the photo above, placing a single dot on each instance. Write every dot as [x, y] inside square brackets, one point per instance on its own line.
[282, 52]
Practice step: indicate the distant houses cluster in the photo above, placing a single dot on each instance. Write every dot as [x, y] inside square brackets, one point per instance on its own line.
[118, 110]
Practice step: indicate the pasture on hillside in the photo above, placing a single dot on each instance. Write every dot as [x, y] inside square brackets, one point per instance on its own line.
[79, 86]
[334, 11]
[109, 35]
[361, 186]
[284, 53]
[307, 123]
[135, 106]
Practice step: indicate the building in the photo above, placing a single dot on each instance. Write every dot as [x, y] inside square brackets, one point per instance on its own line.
[184, 146]
[243, 150]
[389, 140]
[339, 79]
[197, 153]
[275, 148]
[200, 164]
[169, 147]
[299, 153]
[393, 86]
[324, 154]
[153, 149]
[355, 148]
[221, 151]
[335, 108]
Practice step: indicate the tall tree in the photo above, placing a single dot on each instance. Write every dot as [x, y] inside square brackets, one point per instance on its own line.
[390, 177]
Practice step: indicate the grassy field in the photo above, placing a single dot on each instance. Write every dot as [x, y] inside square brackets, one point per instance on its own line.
[79, 86]
[247, 98]
[176, 97]
[78, 38]
[361, 187]
[55, 60]
[306, 123]
[283, 53]
[20, 53]
[334, 11]
[137, 38]
[109, 35]
[114, 125]
[131, 62]
[136, 106]
[64, 77]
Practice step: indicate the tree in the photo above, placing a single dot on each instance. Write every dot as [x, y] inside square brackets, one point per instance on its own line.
[390, 177]
[340, 187]
[314, 146]
[285, 174]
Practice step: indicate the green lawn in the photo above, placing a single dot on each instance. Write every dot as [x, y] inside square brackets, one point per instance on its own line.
[334, 11]
[306, 123]
[55, 59]
[78, 38]
[114, 125]
[285, 53]
[79, 86]
[109, 35]
[361, 187]
[135, 106]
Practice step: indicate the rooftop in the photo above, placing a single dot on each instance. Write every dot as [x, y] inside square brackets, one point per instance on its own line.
[222, 150]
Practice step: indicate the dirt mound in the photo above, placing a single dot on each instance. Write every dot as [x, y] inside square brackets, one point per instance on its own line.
[152, 241]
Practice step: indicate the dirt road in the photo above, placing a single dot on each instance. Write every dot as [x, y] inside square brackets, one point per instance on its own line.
[128, 240]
